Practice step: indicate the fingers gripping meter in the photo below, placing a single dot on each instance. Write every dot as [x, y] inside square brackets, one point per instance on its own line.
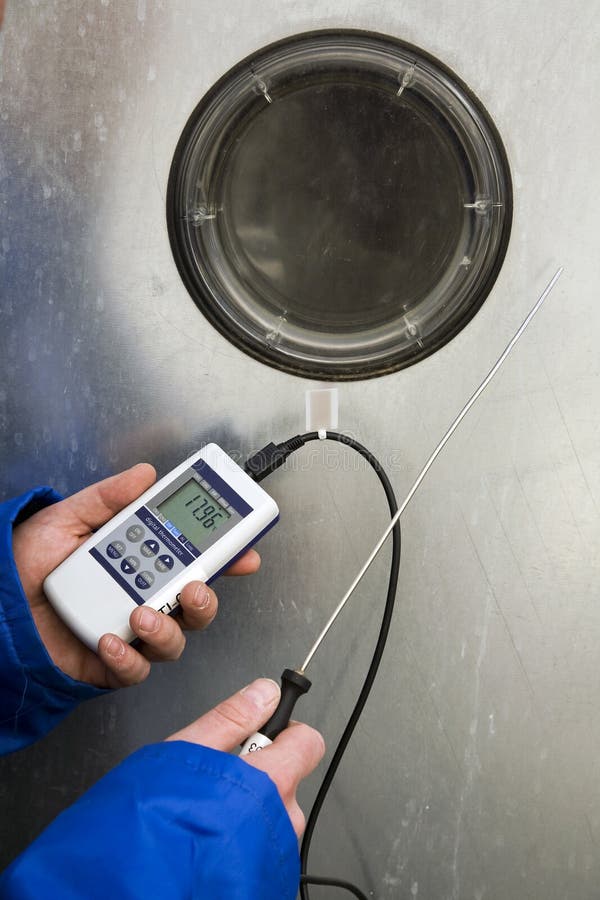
[190, 525]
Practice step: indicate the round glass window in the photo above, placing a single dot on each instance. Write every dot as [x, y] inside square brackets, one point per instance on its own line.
[339, 205]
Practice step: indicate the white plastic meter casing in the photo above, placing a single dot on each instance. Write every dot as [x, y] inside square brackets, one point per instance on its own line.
[190, 525]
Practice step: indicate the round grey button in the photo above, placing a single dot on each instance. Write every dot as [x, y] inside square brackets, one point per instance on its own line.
[144, 580]
[135, 533]
[115, 550]
[164, 563]
[150, 548]
[130, 565]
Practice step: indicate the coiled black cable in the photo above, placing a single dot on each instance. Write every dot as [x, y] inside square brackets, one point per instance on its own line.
[333, 882]
[373, 668]
[259, 466]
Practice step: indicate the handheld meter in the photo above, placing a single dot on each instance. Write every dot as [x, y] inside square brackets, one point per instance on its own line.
[192, 524]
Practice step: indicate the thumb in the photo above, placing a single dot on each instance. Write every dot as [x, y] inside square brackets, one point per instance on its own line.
[96, 504]
[233, 720]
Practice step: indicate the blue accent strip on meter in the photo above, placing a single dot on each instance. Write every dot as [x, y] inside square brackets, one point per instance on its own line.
[224, 489]
[107, 565]
[168, 540]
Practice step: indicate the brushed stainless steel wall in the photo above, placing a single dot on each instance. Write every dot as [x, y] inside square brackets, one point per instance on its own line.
[475, 772]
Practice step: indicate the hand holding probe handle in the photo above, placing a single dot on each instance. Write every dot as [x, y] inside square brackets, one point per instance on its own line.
[293, 685]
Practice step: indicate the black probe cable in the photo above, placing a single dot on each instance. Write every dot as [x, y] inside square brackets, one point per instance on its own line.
[259, 466]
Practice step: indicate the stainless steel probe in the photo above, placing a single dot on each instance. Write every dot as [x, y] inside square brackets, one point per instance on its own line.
[294, 683]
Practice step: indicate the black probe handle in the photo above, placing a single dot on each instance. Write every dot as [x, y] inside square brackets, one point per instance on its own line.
[293, 685]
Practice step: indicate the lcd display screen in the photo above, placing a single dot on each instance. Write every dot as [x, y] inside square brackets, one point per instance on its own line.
[194, 512]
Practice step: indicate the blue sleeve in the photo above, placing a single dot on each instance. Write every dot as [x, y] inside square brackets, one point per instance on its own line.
[34, 694]
[174, 820]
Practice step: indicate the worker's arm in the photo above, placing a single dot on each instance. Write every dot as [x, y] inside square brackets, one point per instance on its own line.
[34, 693]
[179, 819]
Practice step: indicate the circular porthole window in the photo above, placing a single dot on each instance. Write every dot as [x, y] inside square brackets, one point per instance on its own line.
[339, 205]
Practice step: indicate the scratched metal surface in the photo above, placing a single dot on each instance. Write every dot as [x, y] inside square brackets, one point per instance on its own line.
[475, 772]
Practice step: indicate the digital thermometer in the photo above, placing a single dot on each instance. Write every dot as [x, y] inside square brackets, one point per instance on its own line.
[190, 525]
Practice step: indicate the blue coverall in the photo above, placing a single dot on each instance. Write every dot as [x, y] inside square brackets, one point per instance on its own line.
[172, 820]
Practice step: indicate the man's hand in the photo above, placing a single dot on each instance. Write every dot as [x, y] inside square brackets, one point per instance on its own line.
[43, 541]
[291, 757]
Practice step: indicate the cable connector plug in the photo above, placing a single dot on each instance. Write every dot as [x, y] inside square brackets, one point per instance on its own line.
[271, 457]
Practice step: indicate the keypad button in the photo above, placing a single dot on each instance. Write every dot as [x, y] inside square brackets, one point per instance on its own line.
[150, 548]
[135, 533]
[175, 530]
[144, 580]
[189, 546]
[130, 565]
[182, 538]
[164, 563]
[115, 550]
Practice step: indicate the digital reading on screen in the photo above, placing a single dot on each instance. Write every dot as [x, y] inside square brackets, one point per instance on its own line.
[194, 512]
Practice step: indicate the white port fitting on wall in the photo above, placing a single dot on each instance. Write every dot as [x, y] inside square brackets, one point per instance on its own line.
[322, 406]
